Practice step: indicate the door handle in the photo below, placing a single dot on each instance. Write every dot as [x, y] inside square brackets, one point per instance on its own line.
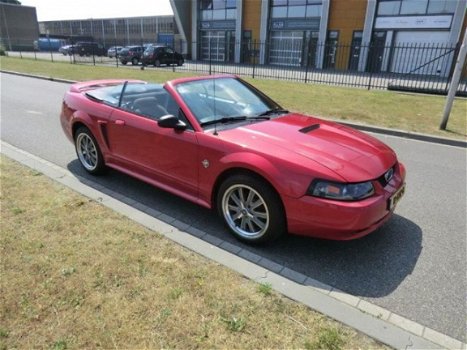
[120, 122]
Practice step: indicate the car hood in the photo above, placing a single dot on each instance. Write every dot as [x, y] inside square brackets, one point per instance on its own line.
[351, 154]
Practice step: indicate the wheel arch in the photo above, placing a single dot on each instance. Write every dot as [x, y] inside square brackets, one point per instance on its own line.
[239, 170]
[82, 119]
[76, 125]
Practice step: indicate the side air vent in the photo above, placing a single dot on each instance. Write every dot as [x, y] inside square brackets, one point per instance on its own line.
[307, 129]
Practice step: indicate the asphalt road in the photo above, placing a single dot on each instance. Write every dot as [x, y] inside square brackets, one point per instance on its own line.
[414, 266]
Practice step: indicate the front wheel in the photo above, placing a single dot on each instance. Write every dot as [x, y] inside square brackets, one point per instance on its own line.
[251, 209]
[88, 151]
[180, 62]
[134, 61]
[157, 63]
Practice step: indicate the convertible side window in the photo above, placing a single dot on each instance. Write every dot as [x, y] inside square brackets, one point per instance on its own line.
[146, 100]
[151, 101]
[150, 107]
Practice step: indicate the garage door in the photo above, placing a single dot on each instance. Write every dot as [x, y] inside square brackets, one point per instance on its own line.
[426, 53]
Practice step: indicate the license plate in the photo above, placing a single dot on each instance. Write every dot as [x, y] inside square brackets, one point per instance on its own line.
[395, 198]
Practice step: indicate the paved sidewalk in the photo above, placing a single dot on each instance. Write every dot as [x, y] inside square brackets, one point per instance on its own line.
[377, 322]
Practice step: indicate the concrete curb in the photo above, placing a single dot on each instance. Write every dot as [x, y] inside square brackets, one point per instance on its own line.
[363, 127]
[376, 322]
[42, 77]
[405, 134]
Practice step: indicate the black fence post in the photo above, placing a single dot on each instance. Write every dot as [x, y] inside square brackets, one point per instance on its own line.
[307, 58]
[50, 48]
[255, 48]
[173, 55]
[94, 55]
[116, 53]
[210, 59]
[73, 52]
[370, 63]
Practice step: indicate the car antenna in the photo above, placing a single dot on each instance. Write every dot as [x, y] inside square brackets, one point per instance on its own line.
[215, 114]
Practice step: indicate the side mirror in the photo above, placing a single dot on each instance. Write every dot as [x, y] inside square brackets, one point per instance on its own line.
[172, 122]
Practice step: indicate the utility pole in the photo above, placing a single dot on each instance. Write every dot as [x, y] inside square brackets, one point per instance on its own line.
[454, 83]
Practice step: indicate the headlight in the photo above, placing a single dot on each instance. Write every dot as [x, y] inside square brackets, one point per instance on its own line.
[340, 191]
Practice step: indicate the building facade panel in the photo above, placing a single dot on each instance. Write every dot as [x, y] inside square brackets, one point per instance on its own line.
[217, 30]
[114, 31]
[364, 35]
[18, 26]
[345, 32]
[415, 37]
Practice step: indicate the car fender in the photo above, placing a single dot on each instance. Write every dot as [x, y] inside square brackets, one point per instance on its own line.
[81, 117]
[284, 181]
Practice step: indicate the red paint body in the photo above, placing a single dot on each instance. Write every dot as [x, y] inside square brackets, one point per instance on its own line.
[274, 149]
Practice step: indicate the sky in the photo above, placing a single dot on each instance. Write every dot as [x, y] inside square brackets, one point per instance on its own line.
[49, 10]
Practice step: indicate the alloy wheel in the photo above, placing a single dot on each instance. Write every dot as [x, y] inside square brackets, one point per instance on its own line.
[245, 211]
[87, 151]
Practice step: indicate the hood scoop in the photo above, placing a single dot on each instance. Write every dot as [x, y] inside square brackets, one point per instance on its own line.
[307, 129]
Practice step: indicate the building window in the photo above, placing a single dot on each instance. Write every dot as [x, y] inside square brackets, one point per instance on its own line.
[415, 7]
[295, 8]
[442, 6]
[389, 8]
[218, 10]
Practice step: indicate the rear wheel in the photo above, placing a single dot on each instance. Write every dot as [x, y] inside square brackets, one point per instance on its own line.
[251, 209]
[88, 151]
[157, 63]
[124, 62]
[180, 62]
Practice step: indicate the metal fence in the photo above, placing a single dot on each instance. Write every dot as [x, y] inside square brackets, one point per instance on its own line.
[424, 67]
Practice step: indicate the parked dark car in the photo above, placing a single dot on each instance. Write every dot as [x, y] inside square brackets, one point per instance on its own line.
[161, 54]
[84, 48]
[131, 54]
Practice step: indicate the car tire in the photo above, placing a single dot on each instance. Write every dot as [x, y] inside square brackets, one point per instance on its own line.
[157, 63]
[180, 63]
[124, 62]
[134, 61]
[251, 209]
[88, 152]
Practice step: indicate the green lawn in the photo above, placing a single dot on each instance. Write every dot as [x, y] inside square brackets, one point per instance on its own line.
[76, 275]
[410, 112]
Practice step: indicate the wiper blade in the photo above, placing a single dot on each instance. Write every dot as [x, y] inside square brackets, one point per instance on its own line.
[273, 111]
[224, 120]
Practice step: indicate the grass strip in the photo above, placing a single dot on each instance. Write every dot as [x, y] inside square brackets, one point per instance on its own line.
[77, 275]
[404, 111]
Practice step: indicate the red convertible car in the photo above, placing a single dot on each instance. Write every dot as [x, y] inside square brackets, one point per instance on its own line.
[221, 143]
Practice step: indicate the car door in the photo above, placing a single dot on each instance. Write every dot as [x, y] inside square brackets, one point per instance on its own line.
[162, 155]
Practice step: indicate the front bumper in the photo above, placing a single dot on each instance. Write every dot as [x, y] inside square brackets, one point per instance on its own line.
[338, 220]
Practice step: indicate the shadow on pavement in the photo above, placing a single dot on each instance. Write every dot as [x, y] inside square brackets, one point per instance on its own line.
[372, 266]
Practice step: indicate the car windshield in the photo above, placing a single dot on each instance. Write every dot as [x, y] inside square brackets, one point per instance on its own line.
[223, 98]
